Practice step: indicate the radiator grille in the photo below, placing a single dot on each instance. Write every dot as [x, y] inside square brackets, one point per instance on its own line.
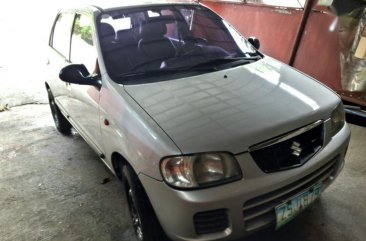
[290, 153]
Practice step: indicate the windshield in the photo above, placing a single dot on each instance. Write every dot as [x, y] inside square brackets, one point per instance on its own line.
[164, 39]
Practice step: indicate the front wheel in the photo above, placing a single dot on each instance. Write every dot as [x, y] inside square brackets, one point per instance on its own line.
[144, 221]
[61, 123]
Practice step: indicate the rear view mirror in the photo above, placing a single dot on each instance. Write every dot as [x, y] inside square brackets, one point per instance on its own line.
[255, 42]
[74, 73]
[78, 74]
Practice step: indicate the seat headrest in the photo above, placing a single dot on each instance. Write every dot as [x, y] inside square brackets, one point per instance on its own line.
[106, 30]
[126, 37]
[153, 30]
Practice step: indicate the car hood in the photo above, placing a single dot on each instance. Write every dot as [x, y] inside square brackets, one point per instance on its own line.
[233, 109]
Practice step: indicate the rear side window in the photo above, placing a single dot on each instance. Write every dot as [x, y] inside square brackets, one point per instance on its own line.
[82, 47]
[62, 33]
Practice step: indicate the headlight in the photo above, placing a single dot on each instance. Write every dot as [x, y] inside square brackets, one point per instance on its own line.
[200, 170]
[337, 119]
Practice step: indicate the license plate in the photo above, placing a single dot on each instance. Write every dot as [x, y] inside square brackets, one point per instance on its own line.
[289, 209]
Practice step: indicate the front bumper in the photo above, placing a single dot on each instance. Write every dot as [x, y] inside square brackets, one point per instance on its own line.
[247, 204]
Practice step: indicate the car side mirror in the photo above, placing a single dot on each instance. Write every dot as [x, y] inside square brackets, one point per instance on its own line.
[255, 42]
[78, 74]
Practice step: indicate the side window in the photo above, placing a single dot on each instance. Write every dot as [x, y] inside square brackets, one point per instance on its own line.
[62, 33]
[82, 47]
[172, 28]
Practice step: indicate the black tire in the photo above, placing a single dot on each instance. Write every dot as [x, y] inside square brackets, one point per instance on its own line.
[61, 123]
[143, 218]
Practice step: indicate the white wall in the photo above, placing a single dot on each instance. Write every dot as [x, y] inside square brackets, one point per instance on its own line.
[24, 33]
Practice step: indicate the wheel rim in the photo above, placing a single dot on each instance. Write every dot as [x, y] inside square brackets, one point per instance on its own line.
[136, 221]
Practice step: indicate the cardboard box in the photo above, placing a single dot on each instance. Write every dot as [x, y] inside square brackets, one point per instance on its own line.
[361, 48]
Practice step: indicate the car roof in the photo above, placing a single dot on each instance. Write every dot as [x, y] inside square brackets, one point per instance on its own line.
[114, 4]
[121, 4]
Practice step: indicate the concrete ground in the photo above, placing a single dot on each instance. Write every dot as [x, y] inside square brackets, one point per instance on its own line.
[50, 185]
[50, 189]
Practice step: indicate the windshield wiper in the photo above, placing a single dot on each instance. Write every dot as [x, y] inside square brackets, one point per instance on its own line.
[160, 72]
[208, 66]
[232, 61]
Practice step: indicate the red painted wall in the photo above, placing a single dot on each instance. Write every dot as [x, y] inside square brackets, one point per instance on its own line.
[277, 30]
[319, 51]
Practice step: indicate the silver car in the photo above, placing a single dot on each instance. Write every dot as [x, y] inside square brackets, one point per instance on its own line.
[212, 139]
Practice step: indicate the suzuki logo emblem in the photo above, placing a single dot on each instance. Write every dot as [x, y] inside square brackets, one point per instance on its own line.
[295, 147]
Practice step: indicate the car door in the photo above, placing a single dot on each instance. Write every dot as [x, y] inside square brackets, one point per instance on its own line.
[58, 57]
[84, 99]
